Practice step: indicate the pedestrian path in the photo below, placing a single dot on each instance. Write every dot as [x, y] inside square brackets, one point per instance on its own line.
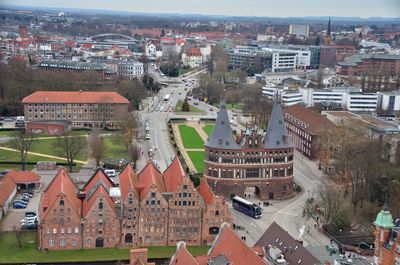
[42, 155]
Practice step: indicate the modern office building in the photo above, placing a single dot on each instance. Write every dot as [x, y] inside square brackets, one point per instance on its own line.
[81, 108]
[287, 95]
[148, 208]
[360, 102]
[243, 57]
[126, 69]
[388, 103]
[259, 160]
[299, 30]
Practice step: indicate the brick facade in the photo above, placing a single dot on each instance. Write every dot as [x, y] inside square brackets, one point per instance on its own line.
[255, 159]
[154, 210]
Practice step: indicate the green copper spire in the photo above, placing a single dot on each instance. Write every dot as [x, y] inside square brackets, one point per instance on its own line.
[384, 218]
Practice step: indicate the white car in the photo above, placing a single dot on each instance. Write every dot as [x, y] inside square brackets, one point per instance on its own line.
[110, 172]
[147, 137]
[28, 220]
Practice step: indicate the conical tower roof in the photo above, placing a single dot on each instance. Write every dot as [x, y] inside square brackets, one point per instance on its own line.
[222, 136]
[277, 135]
[384, 219]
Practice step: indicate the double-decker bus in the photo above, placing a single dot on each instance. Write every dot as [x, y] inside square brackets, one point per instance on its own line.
[246, 207]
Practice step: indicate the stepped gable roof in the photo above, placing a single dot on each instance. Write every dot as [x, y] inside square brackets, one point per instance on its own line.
[277, 135]
[82, 97]
[206, 192]
[100, 191]
[149, 176]
[292, 249]
[221, 136]
[173, 175]
[127, 180]
[7, 186]
[21, 177]
[98, 176]
[228, 244]
[182, 256]
[62, 183]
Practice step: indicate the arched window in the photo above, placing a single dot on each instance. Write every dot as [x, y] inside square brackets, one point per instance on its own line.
[128, 238]
[100, 205]
[61, 202]
[216, 213]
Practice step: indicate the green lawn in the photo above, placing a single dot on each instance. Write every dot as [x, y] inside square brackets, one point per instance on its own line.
[6, 133]
[190, 137]
[114, 149]
[208, 129]
[197, 158]
[178, 108]
[28, 253]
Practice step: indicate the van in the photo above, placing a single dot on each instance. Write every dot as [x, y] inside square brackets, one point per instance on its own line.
[110, 172]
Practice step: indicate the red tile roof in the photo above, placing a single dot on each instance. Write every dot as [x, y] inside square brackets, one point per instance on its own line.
[180, 41]
[193, 52]
[149, 176]
[206, 192]
[173, 175]
[61, 184]
[7, 186]
[235, 250]
[102, 192]
[127, 180]
[23, 177]
[75, 97]
[98, 176]
[314, 121]
[278, 237]
[87, 46]
[182, 256]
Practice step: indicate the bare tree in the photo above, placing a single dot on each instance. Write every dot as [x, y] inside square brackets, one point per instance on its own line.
[71, 146]
[129, 129]
[145, 60]
[96, 146]
[134, 152]
[320, 77]
[22, 142]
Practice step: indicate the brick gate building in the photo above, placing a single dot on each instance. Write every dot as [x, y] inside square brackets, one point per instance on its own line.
[255, 159]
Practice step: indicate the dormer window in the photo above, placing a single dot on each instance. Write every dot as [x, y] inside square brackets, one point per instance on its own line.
[220, 141]
[61, 202]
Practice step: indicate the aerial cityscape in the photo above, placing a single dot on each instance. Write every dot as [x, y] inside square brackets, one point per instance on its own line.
[200, 132]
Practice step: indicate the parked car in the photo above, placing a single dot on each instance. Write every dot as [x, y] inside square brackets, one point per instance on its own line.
[147, 137]
[30, 226]
[20, 201]
[27, 194]
[27, 220]
[25, 199]
[18, 205]
[30, 214]
[110, 172]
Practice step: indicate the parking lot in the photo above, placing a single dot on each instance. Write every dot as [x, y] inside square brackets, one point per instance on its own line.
[12, 220]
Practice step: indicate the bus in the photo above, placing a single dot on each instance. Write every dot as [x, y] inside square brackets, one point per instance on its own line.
[246, 207]
[167, 97]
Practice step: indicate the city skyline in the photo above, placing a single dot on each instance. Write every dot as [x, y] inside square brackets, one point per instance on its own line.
[270, 8]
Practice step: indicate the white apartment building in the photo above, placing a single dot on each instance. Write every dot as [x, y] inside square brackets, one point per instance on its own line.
[288, 96]
[286, 60]
[130, 69]
[150, 49]
[299, 30]
[326, 96]
[389, 102]
[360, 102]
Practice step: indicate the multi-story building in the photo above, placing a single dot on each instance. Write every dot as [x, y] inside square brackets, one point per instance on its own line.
[83, 109]
[244, 57]
[299, 30]
[153, 209]
[287, 60]
[127, 69]
[192, 57]
[360, 102]
[304, 127]
[359, 64]
[330, 97]
[287, 96]
[78, 67]
[388, 103]
[387, 239]
[259, 160]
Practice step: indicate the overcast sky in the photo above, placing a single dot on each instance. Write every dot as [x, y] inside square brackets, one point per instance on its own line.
[276, 8]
